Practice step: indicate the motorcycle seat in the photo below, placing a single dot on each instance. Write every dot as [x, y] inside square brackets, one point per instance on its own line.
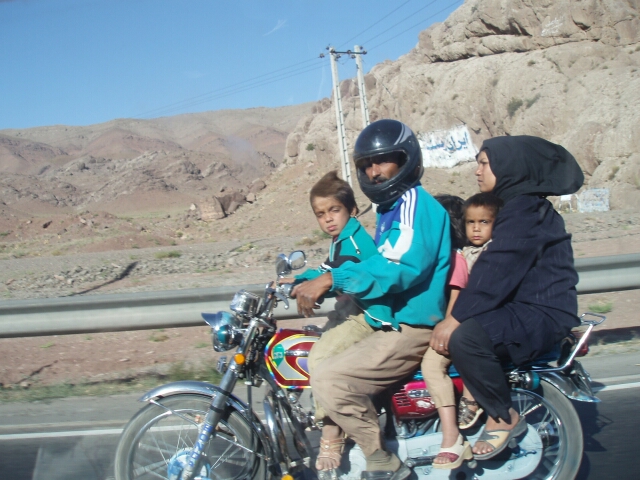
[558, 351]
[561, 350]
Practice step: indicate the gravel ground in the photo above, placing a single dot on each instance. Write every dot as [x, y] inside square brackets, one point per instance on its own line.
[241, 261]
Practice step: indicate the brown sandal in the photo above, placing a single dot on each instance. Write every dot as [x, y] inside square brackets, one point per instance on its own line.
[467, 418]
[330, 449]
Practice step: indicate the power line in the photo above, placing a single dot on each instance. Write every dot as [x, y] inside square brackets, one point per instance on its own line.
[294, 69]
[206, 97]
[401, 21]
[191, 99]
[168, 109]
[416, 24]
[374, 24]
[215, 95]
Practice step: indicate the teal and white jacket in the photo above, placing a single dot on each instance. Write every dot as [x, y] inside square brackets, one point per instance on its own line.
[409, 276]
[352, 246]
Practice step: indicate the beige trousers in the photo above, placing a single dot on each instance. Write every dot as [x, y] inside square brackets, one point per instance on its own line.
[334, 341]
[343, 383]
[435, 370]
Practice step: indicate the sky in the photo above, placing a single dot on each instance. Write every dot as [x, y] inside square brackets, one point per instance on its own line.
[81, 62]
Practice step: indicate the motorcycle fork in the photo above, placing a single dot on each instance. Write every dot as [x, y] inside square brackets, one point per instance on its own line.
[219, 403]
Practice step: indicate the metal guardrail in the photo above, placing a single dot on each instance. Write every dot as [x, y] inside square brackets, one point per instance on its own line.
[608, 274]
[182, 308]
[123, 312]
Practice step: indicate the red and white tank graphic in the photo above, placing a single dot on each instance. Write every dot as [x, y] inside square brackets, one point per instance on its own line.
[286, 356]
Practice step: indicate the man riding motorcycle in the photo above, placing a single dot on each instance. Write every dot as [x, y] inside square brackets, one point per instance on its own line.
[409, 275]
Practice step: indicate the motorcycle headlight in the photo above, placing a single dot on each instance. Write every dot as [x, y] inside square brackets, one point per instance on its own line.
[245, 303]
[225, 330]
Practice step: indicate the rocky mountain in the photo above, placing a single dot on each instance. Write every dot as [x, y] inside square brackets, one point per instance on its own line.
[125, 164]
[566, 70]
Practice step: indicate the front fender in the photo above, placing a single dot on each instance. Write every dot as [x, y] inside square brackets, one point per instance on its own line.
[571, 388]
[188, 387]
[207, 389]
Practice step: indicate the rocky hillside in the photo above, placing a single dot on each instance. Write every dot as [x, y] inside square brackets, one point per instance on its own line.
[127, 165]
[566, 70]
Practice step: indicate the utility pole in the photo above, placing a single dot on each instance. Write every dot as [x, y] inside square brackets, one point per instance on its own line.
[342, 140]
[363, 94]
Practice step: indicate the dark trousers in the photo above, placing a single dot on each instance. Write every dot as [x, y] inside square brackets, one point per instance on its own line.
[478, 362]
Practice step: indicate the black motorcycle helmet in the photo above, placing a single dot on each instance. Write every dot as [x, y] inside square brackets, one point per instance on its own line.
[384, 137]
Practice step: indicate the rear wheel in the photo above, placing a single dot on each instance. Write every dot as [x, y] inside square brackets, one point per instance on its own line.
[558, 425]
[157, 441]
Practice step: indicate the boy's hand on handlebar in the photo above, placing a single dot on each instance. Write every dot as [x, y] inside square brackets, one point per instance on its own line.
[308, 293]
[442, 333]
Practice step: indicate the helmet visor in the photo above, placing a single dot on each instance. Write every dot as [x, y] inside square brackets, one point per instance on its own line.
[397, 157]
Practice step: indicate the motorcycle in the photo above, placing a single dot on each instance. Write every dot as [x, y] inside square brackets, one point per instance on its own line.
[196, 430]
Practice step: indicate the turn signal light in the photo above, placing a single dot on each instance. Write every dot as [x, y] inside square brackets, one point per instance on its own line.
[239, 359]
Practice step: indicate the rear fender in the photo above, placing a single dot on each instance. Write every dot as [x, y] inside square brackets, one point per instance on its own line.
[202, 388]
[573, 386]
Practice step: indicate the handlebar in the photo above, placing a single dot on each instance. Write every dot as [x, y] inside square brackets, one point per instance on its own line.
[285, 289]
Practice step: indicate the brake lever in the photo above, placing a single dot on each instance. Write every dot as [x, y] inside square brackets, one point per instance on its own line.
[283, 299]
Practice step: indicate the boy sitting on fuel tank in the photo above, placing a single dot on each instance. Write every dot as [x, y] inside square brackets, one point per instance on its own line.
[334, 205]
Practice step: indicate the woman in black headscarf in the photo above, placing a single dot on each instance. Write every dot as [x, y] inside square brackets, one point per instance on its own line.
[521, 297]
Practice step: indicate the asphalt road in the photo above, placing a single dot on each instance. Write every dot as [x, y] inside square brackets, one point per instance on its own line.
[75, 438]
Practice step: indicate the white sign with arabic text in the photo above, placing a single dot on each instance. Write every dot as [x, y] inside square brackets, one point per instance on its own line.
[447, 148]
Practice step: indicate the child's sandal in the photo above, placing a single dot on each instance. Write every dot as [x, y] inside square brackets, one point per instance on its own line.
[467, 418]
[456, 454]
[332, 450]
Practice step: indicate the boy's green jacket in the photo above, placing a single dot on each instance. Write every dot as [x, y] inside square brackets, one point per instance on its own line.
[353, 244]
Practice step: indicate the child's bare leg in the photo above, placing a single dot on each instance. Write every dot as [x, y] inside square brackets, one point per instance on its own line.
[449, 422]
[331, 447]
[466, 393]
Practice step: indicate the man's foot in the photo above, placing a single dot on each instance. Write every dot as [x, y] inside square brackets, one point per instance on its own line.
[400, 474]
[452, 457]
[496, 436]
[383, 465]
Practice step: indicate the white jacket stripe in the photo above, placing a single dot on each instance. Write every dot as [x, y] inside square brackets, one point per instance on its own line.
[403, 243]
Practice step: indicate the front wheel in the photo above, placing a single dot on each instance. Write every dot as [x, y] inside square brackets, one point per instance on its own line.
[157, 441]
[555, 420]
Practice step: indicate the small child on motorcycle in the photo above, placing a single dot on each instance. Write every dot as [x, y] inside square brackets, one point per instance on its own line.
[471, 222]
[334, 205]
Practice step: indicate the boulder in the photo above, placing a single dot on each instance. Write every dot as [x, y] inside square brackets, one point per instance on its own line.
[211, 210]
[257, 186]
[230, 198]
[291, 150]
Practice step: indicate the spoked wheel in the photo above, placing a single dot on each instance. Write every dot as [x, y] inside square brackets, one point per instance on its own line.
[555, 420]
[156, 443]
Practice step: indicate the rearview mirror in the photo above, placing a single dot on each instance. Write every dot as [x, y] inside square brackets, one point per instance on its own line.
[295, 261]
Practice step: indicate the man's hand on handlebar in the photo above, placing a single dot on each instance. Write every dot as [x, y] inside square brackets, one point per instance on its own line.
[308, 293]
